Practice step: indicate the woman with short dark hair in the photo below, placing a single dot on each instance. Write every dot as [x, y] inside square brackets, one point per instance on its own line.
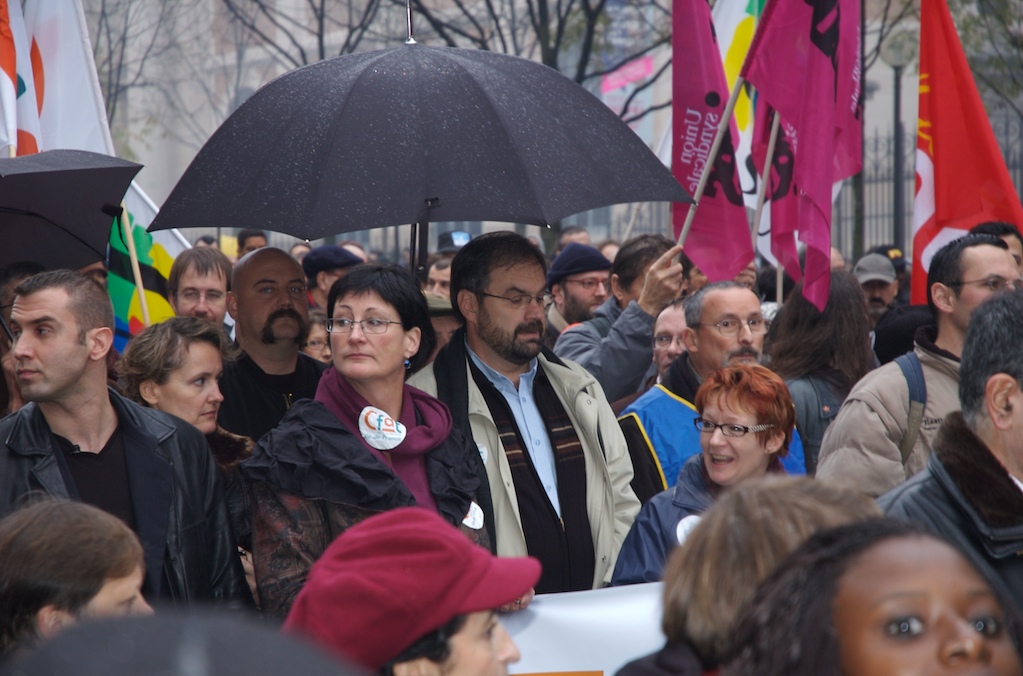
[367, 442]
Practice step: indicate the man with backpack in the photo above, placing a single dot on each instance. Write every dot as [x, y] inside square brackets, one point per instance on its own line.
[886, 428]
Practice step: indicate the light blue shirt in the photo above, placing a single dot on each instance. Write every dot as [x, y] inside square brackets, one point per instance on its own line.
[529, 421]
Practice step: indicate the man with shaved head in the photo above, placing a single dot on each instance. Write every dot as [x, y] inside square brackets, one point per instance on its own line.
[268, 303]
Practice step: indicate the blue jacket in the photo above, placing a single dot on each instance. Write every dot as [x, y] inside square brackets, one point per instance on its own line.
[655, 533]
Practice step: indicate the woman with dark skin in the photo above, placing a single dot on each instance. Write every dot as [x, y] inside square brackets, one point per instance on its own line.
[875, 598]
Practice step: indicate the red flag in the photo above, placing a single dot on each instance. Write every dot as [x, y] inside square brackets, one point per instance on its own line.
[961, 177]
[719, 241]
[805, 63]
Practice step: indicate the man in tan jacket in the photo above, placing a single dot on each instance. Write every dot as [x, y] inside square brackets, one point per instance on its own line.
[557, 465]
[873, 444]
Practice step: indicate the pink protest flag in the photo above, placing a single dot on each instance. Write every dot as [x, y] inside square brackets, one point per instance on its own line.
[719, 238]
[784, 201]
[805, 62]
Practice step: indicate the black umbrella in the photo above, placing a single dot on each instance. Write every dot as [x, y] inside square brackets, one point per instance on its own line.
[201, 643]
[411, 135]
[56, 207]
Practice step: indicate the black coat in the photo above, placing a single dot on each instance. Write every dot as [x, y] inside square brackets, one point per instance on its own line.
[180, 512]
[965, 495]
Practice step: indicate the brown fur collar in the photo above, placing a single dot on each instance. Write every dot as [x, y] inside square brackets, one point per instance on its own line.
[979, 478]
[229, 449]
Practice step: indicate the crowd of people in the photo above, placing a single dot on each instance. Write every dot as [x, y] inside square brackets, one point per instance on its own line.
[384, 465]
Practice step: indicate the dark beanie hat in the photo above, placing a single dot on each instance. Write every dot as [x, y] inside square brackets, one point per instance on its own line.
[327, 257]
[573, 259]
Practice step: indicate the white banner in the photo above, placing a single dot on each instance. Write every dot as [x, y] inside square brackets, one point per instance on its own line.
[590, 632]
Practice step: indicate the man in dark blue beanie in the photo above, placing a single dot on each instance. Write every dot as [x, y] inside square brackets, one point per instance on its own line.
[323, 266]
[577, 279]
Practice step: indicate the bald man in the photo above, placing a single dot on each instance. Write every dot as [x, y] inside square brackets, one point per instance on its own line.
[268, 303]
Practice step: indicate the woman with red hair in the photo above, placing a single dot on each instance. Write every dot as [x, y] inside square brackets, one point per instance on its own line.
[746, 421]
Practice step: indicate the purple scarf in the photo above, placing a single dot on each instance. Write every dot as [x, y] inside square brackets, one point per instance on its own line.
[407, 459]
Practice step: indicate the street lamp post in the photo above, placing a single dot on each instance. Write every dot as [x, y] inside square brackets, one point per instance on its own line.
[898, 51]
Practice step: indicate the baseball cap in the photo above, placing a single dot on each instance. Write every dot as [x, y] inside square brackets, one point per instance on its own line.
[874, 267]
[390, 580]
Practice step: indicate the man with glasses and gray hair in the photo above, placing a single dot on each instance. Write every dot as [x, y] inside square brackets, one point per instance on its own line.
[724, 327]
[557, 465]
[886, 428]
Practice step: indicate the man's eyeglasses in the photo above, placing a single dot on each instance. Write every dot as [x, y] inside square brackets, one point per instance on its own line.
[519, 302]
[194, 295]
[731, 327]
[992, 284]
[588, 284]
[370, 326]
[707, 427]
[316, 344]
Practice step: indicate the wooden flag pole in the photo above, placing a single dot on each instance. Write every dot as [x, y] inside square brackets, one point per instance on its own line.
[726, 117]
[765, 181]
[136, 271]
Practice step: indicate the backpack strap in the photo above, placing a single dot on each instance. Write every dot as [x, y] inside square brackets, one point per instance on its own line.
[914, 374]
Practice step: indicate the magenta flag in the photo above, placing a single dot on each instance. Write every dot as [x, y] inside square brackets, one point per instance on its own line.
[805, 62]
[719, 239]
[782, 199]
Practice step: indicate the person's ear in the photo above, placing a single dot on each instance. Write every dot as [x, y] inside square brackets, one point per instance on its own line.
[51, 620]
[774, 441]
[413, 337]
[557, 292]
[943, 296]
[149, 392]
[417, 667]
[321, 282]
[99, 341]
[617, 290]
[232, 304]
[468, 304]
[999, 393]
[689, 339]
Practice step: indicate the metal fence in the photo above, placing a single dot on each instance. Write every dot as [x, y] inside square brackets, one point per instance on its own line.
[879, 181]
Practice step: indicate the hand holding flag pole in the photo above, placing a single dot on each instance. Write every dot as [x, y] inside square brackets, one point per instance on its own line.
[762, 197]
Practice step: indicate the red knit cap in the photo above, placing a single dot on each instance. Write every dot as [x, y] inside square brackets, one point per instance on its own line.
[393, 578]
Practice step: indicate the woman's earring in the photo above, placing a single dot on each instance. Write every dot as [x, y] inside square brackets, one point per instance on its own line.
[408, 364]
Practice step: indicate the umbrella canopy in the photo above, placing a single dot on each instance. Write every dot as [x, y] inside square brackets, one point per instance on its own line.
[411, 135]
[56, 207]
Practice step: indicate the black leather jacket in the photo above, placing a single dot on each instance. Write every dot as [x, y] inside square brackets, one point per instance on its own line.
[967, 496]
[180, 512]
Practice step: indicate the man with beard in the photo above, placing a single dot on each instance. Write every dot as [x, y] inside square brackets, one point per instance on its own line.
[724, 327]
[557, 465]
[876, 276]
[268, 303]
[577, 280]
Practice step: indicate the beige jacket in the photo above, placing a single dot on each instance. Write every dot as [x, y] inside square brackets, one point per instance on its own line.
[610, 503]
[861, 447]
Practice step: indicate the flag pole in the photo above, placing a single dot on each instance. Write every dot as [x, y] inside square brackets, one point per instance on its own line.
[136, 271]
[762, 196]
[726, 118]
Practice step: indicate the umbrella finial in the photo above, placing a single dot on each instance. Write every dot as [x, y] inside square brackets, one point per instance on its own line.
[408, 16]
